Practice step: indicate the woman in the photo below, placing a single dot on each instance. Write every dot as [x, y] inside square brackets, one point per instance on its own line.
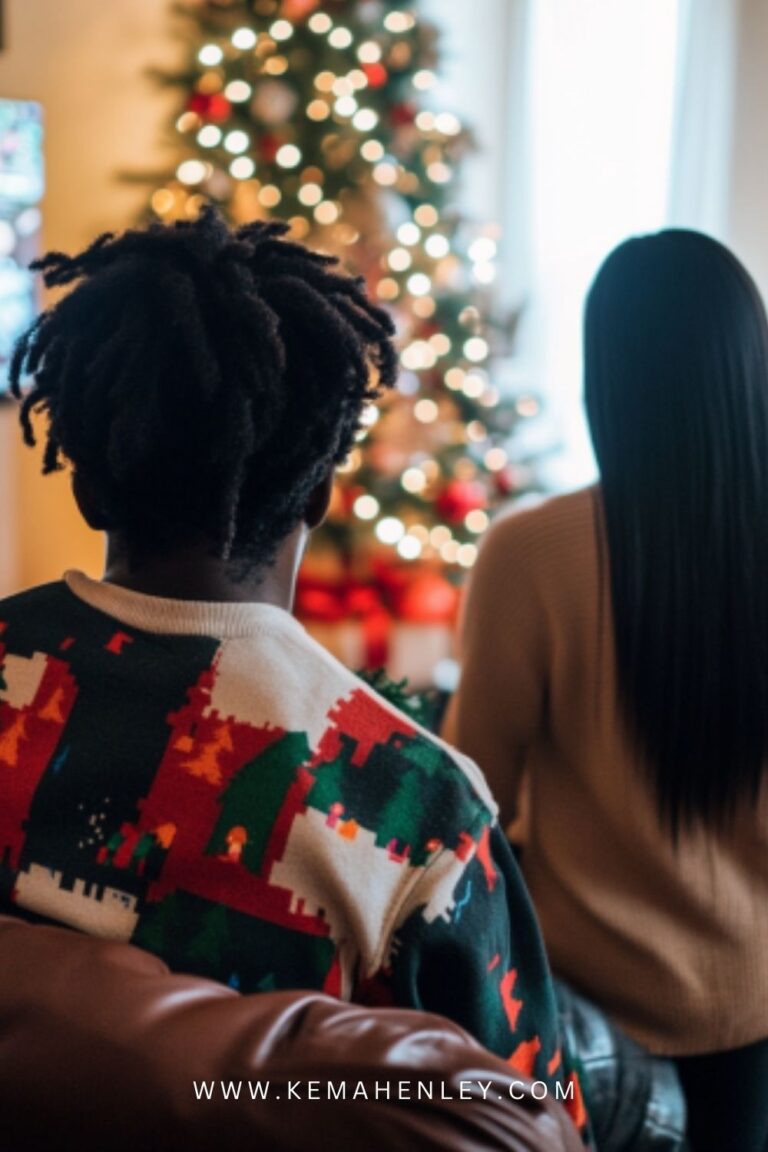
[616, 650]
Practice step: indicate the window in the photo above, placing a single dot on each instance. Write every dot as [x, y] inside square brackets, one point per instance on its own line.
[601, 99]
[573, 103]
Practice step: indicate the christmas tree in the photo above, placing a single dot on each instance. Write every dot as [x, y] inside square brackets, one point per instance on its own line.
[321, 114]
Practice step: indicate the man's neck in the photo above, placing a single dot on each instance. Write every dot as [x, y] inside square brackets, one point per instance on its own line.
[191, 573]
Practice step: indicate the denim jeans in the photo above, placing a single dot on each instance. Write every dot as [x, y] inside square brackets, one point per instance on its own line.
[635, 1100]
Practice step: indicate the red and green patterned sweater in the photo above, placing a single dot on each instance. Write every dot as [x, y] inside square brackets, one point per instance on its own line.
[205, 781]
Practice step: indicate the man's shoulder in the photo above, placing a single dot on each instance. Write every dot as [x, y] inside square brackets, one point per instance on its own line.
[34, 610]
[34, 599]
[403, 763]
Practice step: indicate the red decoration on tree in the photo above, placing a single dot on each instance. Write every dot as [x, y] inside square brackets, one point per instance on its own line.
[377, 75]
[268, 146]
[298, 9]
[210, 106]
[402, 114]
[458, 498]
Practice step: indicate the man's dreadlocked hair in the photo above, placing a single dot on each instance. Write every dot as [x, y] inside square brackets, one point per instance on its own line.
[202, 381]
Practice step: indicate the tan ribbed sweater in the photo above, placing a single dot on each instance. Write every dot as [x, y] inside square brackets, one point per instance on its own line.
[673, 944]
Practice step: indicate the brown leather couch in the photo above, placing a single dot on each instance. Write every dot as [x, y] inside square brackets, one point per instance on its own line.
[100, 1046]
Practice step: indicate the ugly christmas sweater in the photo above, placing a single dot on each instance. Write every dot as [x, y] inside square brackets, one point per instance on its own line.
[205, 781]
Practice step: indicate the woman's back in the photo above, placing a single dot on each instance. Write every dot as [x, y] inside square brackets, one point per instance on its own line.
[670, 940]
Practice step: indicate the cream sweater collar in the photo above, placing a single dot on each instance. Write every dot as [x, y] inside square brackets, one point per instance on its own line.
[180, 617]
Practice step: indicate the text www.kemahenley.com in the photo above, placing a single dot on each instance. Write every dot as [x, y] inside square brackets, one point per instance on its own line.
[351, 1090]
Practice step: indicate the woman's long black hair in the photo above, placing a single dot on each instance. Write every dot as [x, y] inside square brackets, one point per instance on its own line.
[676, 386]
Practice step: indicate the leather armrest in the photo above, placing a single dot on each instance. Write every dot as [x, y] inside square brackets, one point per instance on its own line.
[101, 1045]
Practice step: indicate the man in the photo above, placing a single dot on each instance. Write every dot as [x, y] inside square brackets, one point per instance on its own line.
[180, 764]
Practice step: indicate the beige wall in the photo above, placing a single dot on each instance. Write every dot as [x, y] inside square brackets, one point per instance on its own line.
[86, 62]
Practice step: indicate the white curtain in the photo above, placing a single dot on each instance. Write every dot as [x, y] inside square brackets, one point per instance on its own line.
[600, 99]
[701, 162]
[631, 121]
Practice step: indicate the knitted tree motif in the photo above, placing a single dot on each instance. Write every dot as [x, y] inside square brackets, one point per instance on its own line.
[330, 792]
[254, 797]
[396, 790]
[403, 826]
[441, 788]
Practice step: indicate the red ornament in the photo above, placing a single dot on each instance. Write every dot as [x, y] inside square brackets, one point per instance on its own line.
[298, 9]
[220, 109]
[459, 497]
[268, 146]
[213, 107]
[377, 75]
[402, 115]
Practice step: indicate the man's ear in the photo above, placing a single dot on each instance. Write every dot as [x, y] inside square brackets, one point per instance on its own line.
[319, 502]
